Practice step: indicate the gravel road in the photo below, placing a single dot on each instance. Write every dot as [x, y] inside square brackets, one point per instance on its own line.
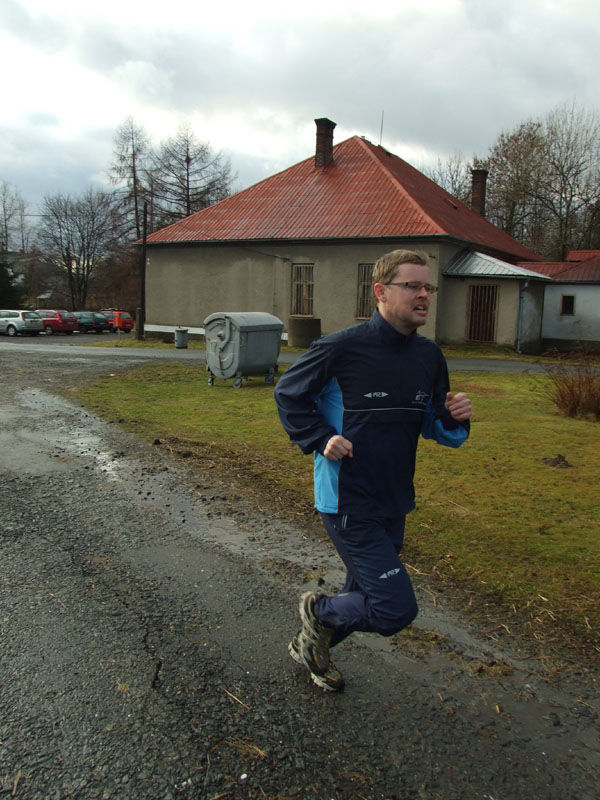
[144, 641]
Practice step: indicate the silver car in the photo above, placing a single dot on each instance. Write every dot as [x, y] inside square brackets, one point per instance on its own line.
[26, 322]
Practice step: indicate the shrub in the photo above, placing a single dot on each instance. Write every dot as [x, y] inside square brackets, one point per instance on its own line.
[574, 390]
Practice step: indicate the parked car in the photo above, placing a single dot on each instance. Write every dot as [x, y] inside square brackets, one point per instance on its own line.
[26, 322]
[91, 321]
[118, 320]
[58, 321]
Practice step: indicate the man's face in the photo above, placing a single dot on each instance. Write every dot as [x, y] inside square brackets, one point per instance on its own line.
[405, 309]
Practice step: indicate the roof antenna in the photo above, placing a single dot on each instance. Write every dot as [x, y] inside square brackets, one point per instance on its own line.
[381, 129]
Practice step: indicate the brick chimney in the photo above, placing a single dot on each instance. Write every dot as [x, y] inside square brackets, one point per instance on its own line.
[478, 186]
[324, 151]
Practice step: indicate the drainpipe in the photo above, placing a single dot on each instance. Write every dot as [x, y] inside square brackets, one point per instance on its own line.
[519, 315]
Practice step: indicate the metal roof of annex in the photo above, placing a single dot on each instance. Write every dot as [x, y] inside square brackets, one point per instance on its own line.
[481, 265]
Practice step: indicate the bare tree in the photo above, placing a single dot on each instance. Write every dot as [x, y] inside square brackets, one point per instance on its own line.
[544, 181]
[453, 175]
[571, 185]
[13, 229]
[132, 154]
[188, 175]
[516, 166]
[78, 235]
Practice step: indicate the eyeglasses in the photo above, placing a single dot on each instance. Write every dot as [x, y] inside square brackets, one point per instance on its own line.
[413, 286]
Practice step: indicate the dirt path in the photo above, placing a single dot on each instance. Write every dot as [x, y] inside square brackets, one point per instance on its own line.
[145, 613]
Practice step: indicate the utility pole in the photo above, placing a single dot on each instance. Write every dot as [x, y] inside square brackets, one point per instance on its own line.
[141, 311]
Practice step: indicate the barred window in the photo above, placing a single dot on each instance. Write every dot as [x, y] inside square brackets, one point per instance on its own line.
[365, 299]
[302, 289]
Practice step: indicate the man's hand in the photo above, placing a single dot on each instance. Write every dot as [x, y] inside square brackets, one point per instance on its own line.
[337, 448]
[459, 406]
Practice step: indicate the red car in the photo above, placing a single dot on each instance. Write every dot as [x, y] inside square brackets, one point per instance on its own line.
[58, 321]
[118, 320]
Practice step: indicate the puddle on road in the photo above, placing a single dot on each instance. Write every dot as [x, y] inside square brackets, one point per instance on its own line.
[60, 445]
[87, 444]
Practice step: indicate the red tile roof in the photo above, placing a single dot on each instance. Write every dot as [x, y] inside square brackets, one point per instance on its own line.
[549, 268]
[560, 271]
[365, 192]
[582, 255]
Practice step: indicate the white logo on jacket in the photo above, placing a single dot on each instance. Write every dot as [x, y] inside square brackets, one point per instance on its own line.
[389, 573]
[376, 394]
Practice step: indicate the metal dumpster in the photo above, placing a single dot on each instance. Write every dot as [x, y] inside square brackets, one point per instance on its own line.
[240, 344]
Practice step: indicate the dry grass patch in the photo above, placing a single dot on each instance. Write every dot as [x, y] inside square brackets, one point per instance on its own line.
[575, 391]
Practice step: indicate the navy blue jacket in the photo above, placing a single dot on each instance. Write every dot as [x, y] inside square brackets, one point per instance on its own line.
[380, 389]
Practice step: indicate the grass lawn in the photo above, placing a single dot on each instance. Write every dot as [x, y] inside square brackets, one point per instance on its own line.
[502, 519]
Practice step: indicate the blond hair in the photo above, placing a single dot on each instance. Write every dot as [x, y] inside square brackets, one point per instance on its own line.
[385, 268]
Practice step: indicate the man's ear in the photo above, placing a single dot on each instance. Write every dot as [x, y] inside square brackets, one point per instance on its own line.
[379, 292]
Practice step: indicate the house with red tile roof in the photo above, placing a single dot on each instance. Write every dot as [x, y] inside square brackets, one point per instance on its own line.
[301, 245]
[571, 317]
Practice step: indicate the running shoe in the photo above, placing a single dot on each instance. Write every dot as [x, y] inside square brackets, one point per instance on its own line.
[331, 680]
[314, 638]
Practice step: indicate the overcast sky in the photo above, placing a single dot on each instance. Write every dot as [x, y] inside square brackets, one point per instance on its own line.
[447, 75]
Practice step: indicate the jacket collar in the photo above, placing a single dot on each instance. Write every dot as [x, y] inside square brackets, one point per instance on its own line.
[387, 332]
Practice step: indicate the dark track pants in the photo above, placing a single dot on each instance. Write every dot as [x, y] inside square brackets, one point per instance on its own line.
[377, 595]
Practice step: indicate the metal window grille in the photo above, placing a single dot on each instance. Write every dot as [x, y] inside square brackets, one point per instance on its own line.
[567, 305]
[365, 300]
[482, 314]
[302, 289]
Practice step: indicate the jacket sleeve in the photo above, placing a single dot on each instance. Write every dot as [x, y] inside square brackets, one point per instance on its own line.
[438, 424]
[296, 396]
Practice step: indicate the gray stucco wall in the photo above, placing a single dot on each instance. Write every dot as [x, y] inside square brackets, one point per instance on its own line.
[529, 332]
[453, 319]
[581, 326]
[186, 284]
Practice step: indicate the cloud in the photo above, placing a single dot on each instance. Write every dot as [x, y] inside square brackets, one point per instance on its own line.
[448, 76]
[41, 165]
[45, 33]
[143, 81]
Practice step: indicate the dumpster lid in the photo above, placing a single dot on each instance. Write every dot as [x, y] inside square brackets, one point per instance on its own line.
[246, 320]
